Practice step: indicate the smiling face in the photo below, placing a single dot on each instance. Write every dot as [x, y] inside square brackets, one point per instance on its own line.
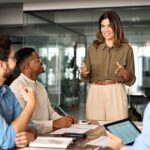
[106, 30]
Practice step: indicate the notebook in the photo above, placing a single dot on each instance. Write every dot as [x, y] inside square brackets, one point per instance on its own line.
[125, 129]
[51, 142]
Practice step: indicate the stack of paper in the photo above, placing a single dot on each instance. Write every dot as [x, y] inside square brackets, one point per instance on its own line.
[84, 126]
[76, 128]
[51, 142]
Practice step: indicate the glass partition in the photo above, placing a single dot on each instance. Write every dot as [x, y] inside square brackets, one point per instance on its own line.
[136, 24]
[61, 51]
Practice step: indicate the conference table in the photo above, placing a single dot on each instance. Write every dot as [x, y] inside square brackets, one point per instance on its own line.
[80, 143]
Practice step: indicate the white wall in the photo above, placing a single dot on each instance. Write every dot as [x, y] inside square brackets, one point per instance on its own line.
[11, 14]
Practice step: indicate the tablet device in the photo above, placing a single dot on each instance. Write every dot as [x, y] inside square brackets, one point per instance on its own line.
[125, 129]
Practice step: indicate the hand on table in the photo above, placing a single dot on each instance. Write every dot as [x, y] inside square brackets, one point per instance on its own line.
[23, 139]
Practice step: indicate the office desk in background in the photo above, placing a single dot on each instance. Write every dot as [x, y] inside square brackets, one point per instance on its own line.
[80, 143]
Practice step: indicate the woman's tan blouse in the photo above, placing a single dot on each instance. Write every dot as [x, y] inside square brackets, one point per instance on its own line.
[102, 63]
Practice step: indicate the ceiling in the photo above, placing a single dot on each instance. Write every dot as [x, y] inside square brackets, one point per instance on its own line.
[135, 19]
[11, 1]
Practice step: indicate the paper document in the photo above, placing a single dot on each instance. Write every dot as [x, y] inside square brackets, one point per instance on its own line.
[75, 128]
[35, 148]
[51, 142]
[101, 141]
[38, 148]
[70, 130]
[84, 126]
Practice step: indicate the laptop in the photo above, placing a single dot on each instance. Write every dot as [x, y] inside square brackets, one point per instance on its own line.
[125, 129]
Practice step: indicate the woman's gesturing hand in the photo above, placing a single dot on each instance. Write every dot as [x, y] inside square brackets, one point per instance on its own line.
[84, 71]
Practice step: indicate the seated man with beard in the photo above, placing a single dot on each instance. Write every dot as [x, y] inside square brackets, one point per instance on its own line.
[44, 117]
[15, 129]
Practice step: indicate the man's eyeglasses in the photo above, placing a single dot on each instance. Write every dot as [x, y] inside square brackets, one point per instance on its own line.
[36, 60]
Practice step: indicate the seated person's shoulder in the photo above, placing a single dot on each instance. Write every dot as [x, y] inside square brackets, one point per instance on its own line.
[7, 88]
[41, 85]
[16, 83]
[9, 93]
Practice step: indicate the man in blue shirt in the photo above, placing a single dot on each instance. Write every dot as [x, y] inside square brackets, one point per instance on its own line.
[142, 142]
[15, 129]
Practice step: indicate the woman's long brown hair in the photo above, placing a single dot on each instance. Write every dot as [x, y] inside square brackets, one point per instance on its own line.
[116, 26]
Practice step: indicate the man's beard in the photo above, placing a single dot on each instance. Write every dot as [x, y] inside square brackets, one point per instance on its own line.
[8, 72]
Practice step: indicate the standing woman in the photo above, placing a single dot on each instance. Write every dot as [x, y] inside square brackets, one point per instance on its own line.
[108, 65]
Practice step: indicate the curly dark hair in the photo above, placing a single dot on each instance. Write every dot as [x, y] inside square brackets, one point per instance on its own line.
[5, 44]
[23, 53]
